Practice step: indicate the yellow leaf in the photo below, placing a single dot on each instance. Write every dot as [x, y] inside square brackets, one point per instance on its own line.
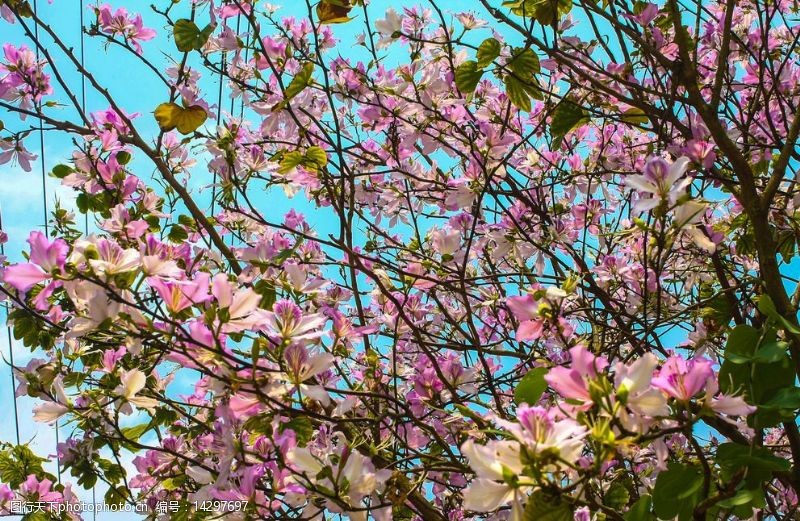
[171, 115]
[635, 116]
[333, 12]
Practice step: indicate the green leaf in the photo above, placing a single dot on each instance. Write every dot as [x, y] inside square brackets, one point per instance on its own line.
[771, 352]
[189, 37]
[734, 456]
[524, 63]
[519, 93]
[62, 171]
[531, 387]
[635, 116]
[289, 161]
[640, 511]
[267, 292]
[298, 84]
[566, 116]
[546, 12]
[114, 496]
[17, 463]
[488, 51]
[678, 489]
[758, 373]
[186, 119]
[332, 12]
[177, 234]
[787, 399]
[767, 307]
[302, 428]
[315, 158]
[759, 462]
[617, 495]
[135, 432]
[123, 158]
[742, 497]
[467, 76]
[544, 507]
[741, 344]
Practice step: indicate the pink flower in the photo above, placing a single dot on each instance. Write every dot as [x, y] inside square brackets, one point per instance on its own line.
[180, 294]
[681, 378]
[40, 490]
[287, 321]
[46, 258]
[11, 152]
[23, 79]
[541, 433]
[525, 309]
[726, 404]
[573, 382]
[120, 23]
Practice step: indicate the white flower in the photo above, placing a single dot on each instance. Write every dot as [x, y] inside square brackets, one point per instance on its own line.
[641, 399]
[687, 216]
[354, 474]
[303, 366]
[49, 412]
[132, 382]
[542, 434]
[491, 463]
[659, 182]
[388, 27]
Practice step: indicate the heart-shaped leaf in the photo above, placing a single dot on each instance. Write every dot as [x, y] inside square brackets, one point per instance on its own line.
[333, 11]
[566, 116]
[487, 52]
[172, 116]
[189, 37]
[467, 76]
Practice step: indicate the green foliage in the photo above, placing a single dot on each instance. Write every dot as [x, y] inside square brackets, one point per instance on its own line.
[298, 84]
[767, 307]
[313, 159]
[62, 171]
[640, 511]
[31, 330]
[521, 82]
[467, 76]
[678, 490]
[187, 120]
[758, 366]
[531, 387]
[544, 507]
[267, 292]
[135, 432]
[302, 427]
[757, 465]
[520, 93]
[189, 37]
[546, 12]
[618, 494]
[17, 462]
[524, 63]
[488, 51]
[333, 11]
[177, 234]
[566, 116]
